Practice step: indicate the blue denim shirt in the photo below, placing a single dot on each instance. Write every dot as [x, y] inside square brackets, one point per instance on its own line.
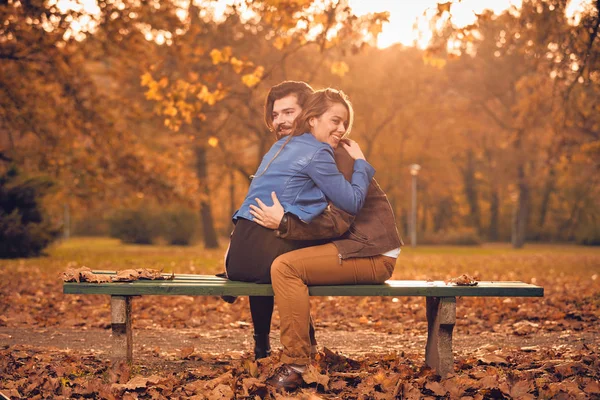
[304, 175]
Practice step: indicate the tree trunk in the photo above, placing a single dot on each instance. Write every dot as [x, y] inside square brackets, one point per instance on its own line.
[208, 227]
[232, 202]
[548, 189]
[520, 216]
[494, 215]
[470, 183]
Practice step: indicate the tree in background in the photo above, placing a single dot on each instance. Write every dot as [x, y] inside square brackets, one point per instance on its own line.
[25, 229]
[162, 103]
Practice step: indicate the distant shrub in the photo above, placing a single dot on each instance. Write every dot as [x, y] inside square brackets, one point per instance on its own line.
[25, 229]
[90, 225]
[589, 235]
[179, 226]
[137, 226]
[461, 237]
[145, 225]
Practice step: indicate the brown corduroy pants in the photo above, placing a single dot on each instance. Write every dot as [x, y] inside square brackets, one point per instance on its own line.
[293, 272]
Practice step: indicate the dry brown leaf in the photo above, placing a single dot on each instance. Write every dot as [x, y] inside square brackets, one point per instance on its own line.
[186, 352]
[492, 359]
[312, 375]
[592, 387]
[254, 387]
[227, 377]
[436, 388]
[520, 389]
[221, 392]
[126, 275]
[410, 392]
[251, 367]
[463, 280]
[337, 386]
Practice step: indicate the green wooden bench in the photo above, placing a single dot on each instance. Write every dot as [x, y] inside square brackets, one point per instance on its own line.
[440, 303]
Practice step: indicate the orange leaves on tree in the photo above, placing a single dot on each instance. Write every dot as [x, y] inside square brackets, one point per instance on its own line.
[221, 56]
[339, 68]
[281, 42]
[443, 7]
[213, 141]
[211, 98]
[253, 78]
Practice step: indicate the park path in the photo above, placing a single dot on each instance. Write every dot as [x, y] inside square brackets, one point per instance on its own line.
[234, 342]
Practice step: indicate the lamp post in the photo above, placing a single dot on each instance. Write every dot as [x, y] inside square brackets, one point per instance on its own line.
[414, 171]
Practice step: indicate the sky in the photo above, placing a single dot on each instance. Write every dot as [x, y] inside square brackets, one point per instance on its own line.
[404, 14]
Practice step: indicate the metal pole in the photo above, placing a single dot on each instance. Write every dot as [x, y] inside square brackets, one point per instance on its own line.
[413, 224]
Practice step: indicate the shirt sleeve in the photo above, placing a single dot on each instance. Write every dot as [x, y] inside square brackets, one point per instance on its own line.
[348, 196]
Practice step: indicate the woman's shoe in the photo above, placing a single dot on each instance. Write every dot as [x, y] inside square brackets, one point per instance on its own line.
[286, 377]
[262, 346]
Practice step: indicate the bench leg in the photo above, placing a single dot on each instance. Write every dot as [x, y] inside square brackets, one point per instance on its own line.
[120, 310]
[441, 318]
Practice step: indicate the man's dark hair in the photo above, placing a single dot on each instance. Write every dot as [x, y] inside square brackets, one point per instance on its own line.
[301, 90]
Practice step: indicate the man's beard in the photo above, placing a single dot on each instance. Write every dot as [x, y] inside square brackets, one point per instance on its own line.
[281, 128]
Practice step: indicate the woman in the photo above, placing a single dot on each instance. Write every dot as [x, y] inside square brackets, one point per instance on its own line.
[301, 170]
[365, 254]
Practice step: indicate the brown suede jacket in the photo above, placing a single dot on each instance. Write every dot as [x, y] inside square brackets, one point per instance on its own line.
[373, 231]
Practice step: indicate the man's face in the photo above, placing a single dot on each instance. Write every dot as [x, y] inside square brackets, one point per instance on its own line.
[331, 126]
[285, 111]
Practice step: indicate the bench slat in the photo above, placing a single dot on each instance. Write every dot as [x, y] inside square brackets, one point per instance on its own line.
[208, 285]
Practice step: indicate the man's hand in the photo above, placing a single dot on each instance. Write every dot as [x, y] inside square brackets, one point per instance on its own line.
[353, 149]
[269, 217]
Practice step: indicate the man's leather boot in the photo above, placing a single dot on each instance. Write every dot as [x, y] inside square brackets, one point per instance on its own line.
[262, 347]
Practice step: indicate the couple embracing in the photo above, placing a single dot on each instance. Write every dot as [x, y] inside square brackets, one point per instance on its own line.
[329, 223]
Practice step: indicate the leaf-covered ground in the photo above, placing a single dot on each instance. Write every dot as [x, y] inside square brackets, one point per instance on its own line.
[505, 348]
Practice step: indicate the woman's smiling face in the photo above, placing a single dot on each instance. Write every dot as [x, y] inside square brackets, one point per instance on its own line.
[331, 126]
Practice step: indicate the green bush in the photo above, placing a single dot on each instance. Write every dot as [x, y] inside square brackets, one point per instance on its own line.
[90, 225]
[25, 230]
[144, 225]
[137, 226]
[461, 237]
[179, 226]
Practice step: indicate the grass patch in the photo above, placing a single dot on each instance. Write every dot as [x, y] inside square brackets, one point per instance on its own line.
[495, 261]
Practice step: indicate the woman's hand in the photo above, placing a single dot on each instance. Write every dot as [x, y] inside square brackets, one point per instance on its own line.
[353, 149]
[269, 217]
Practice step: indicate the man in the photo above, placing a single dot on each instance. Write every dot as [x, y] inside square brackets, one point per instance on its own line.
[372, 235]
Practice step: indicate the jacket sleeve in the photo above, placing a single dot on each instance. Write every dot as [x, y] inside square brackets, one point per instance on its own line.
[332, 223]
[348, 196]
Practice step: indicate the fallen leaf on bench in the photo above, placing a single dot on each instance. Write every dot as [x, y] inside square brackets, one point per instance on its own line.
[83, 274]
[130, 275]
[74, 274]
[153, 274]
[127, 275]
[463, 280]
[94, 278]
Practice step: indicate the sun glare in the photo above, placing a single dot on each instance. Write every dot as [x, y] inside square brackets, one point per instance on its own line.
[409, 20]
[408, 25]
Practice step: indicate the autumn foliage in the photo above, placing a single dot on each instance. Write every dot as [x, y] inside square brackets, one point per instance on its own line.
[140, 102]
